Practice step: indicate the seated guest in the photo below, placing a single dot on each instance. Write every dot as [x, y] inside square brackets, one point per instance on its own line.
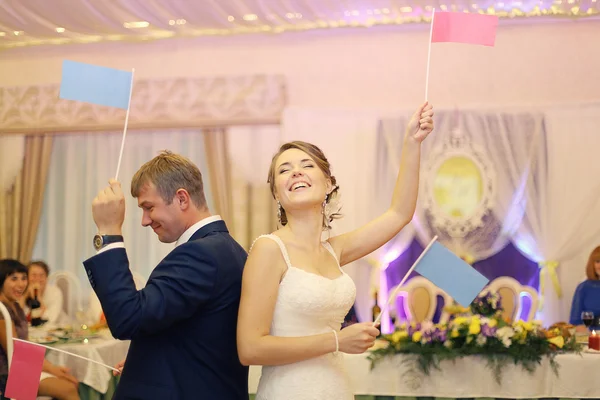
[49, 296]
[55, 381]
[587, 294]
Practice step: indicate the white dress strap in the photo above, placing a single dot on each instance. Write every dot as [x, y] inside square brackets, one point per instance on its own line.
[327, 245]
[277, 240]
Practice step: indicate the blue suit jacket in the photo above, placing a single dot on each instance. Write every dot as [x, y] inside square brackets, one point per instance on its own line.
[182, 325]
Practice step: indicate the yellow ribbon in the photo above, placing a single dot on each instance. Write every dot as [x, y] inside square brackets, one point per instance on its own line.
[548, 268]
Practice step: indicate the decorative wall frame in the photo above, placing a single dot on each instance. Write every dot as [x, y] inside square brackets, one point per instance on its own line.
[459, 185]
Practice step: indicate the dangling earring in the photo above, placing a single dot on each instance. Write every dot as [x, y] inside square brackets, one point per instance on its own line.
[279, 211]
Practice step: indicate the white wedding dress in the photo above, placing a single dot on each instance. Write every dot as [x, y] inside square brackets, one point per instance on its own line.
[308, 304]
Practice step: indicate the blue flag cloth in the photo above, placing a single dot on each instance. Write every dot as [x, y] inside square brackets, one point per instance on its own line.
[450, 273]
[95, 84]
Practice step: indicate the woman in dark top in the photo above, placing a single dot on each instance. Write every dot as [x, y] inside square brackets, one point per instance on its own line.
[55, 381]
[587, 294]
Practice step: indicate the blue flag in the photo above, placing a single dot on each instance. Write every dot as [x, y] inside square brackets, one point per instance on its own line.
[95, 84]
[450, 273]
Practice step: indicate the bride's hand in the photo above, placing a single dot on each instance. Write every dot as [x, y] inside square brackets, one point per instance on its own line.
[357, 338]
[421, 123]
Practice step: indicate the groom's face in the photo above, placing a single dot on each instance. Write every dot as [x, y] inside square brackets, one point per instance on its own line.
[164, 219]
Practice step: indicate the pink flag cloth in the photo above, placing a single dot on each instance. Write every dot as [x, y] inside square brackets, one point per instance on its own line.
[461, 27]
[25, 371]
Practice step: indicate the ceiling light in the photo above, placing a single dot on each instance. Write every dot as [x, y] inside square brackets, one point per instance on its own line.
[181, 22]
[298, 15]
[231, 18]
[406, 9]
[250, 17]
[60, 30]
[2, 34]
[17, 33]
[171, 22]
[290, 15]
[136, 24]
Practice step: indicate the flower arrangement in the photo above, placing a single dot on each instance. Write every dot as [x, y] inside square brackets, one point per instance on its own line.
[486, 304]
[498, 341]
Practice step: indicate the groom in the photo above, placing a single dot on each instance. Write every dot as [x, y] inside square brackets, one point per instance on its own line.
[182, 325]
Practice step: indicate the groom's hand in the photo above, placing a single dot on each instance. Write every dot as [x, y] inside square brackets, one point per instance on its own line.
[357, 338]
[119, 366]
[108, 209]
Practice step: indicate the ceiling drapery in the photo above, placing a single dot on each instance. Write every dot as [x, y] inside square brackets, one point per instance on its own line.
[42, 22]
[166, 103]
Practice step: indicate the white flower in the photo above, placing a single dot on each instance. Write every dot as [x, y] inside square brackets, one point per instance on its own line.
[506, 342]
[427, 326]
[505, 332]
[448, 344]
[481, 340]
[518, 329]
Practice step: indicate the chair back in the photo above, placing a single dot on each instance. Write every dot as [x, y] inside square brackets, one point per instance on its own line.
[511, 298]
[420, 300]
[70, 286]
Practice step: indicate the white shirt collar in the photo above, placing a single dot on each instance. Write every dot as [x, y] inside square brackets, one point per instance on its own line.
[194, 228]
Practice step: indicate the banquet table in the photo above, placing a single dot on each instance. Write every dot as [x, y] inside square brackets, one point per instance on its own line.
[469, 377]
[95, 380]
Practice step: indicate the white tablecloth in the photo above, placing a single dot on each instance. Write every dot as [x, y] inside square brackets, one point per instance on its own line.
[108, 351]
[579, 377]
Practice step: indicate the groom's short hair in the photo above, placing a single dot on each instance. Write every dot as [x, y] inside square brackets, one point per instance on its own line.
[170, 172]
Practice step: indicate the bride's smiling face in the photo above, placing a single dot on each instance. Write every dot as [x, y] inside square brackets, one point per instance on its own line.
[299, 182]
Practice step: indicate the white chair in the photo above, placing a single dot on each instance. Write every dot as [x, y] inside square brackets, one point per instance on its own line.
[420, 299]
[512, 293]
[9, 332]
[8, 325]
[70, 286]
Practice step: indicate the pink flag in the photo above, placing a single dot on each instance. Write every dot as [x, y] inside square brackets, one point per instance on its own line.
[25, 371]
[461, 27]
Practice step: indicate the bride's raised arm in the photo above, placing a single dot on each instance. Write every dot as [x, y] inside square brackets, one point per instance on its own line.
[368, 238]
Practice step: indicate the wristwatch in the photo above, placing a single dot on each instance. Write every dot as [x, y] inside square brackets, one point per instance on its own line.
[102, 240]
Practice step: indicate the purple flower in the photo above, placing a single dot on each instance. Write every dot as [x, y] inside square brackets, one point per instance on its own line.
[412, 330]
[488, 331]
[440, 335]
[427, 337]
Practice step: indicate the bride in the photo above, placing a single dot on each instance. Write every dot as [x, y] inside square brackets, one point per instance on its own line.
[295, 293]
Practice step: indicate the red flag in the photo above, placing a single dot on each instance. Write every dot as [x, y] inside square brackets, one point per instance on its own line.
[461, 27]
[25, 371]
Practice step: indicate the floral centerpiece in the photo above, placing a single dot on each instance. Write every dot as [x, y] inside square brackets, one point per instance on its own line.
[498, 341]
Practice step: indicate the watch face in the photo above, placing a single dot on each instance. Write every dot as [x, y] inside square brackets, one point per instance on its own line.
[98, 242]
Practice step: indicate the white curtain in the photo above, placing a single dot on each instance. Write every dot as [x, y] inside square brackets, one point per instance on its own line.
[81, 165]
[12, 151]
[560, 227]
[347, 138]
[250, 151]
